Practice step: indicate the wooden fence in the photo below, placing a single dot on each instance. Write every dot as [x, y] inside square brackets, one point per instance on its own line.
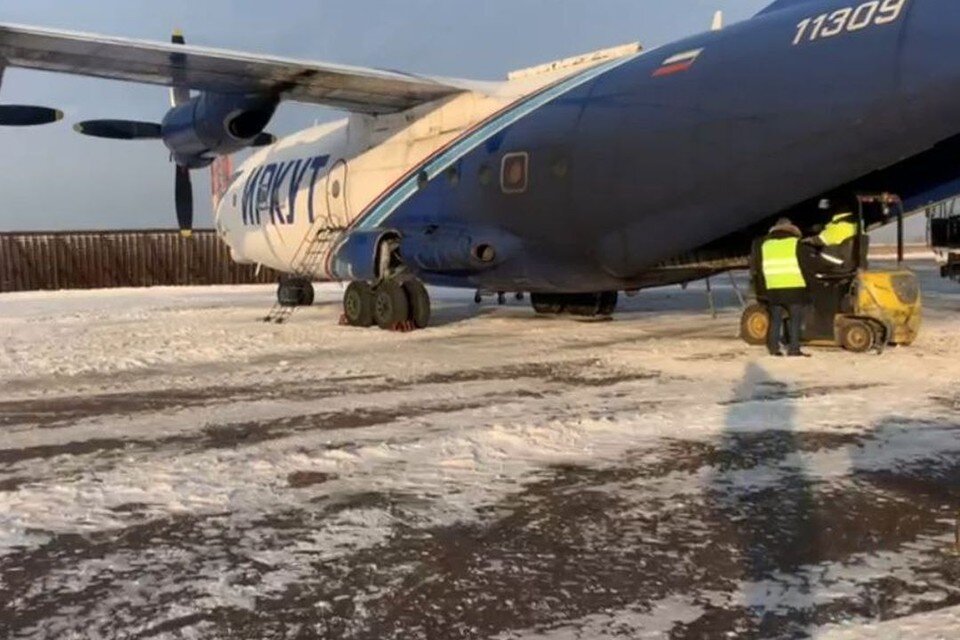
[100, 259]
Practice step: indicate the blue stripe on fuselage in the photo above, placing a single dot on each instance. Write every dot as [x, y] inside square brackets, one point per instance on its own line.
[437, 164]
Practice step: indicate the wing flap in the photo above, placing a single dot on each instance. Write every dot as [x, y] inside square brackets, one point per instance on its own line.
[352, 88]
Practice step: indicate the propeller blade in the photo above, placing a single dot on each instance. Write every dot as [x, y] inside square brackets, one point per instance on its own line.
[179, 94]
[119, 129]
[184, 198]
[263, 140]
[18, 115]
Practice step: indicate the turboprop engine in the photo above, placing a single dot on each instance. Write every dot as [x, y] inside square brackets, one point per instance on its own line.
[197, 129]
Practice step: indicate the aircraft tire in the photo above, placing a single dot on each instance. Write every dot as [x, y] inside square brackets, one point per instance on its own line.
[585, 305]
[548, 304]
[358, 305]
[390, 306]
[307, 295]
[419, 301]
[608, 302]
[295, 292]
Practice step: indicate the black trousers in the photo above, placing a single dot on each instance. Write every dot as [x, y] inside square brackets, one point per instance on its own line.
[776, 327]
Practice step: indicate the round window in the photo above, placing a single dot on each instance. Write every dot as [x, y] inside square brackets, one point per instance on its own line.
[335, 189]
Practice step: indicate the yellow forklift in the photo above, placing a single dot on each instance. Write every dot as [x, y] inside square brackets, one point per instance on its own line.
[862, 310]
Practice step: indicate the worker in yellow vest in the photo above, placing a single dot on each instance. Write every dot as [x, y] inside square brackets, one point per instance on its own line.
[837, 242]
[783, 283]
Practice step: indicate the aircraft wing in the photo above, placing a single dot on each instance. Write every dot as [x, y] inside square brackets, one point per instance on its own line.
[351, 88]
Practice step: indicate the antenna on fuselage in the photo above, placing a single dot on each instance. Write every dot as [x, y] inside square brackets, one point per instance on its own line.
[717, 21]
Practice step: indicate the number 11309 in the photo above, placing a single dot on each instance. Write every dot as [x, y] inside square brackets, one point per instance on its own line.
[874, 13]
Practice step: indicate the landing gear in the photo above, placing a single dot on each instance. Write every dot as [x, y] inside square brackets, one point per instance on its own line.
[584, 305]
[500, 295]
[608, 303]
[358, 305]
[295, 292]
[419, 301]
[390, 305]
[398, 304]
[547, 303]
[396, 301]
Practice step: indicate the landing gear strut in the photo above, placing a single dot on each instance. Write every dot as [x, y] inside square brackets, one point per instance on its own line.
[397, 301]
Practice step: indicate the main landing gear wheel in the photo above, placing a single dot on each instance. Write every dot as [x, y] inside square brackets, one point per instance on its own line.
[397, 304]
[608, 303]
[358, 305]
[585, 305]
[547, 303]
[754, 324]
[419, 301]
[295, 292]
[857, 336]
[390, 305]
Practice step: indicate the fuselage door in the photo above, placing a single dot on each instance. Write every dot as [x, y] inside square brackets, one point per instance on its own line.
[337, 209]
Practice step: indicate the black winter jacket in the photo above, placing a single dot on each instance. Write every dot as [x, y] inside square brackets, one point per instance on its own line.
[784, 297]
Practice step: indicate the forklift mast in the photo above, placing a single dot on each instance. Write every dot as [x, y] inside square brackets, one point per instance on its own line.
[943, 235]
[884, 206]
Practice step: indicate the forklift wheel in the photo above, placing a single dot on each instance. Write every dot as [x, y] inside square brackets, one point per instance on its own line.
[754, 324]
[857, 336]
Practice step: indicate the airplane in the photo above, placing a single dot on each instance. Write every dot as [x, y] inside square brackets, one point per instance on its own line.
[613, 171]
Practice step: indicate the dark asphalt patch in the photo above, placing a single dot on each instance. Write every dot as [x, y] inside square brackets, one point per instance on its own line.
[591, 372]
[302, 479]
[568, 547]
[245, 434]
[12, 484]
[64, 411]
[772, 392]
[575, 542]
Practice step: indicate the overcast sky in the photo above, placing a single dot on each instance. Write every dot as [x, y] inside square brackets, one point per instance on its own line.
[53, 178]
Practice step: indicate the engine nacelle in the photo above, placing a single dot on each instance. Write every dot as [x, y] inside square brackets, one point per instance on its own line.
[458, 249]
[214, 124]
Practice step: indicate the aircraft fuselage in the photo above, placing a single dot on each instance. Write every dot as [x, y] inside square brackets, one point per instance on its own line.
[599, 176]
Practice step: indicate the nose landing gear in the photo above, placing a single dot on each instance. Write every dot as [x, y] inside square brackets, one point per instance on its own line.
[295, 292]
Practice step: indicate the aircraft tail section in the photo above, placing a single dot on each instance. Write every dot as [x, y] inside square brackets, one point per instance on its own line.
[221, 172]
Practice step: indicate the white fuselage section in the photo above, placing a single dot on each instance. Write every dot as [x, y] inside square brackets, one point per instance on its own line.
[319, 181]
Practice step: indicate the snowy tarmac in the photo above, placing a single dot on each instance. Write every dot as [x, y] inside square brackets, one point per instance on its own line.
[172, 468]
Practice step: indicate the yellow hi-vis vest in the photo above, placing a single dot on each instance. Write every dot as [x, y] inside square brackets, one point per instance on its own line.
[839, 230]
[781, 267]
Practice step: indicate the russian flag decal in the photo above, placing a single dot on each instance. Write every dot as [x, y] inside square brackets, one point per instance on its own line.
[678, 63]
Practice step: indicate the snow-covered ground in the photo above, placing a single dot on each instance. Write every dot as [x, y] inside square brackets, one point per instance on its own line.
[171, 467]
